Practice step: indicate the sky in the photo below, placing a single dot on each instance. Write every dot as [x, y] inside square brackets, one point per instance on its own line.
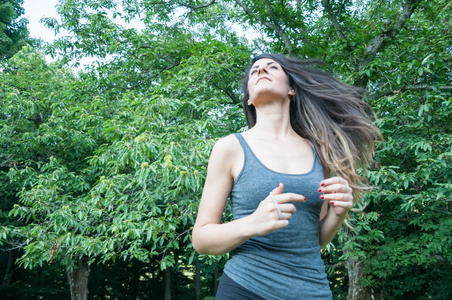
[35, 10]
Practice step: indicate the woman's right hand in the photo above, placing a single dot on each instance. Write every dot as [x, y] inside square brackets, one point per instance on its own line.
[210, 235]
[266, 218]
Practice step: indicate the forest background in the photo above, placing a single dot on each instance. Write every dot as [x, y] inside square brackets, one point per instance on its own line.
[102, 166]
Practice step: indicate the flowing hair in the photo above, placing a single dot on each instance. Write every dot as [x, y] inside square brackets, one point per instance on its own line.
[331, 115]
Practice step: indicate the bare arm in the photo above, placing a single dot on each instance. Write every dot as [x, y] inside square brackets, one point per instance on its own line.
[338, 195]
[212, 237]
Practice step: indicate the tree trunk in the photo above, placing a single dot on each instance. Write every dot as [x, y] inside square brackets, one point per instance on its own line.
[168, 284]
[215, 282]
[198, 280]
[10, 267]
[78, 280]
[356, 291]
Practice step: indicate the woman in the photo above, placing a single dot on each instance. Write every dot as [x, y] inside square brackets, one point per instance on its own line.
[304, 126]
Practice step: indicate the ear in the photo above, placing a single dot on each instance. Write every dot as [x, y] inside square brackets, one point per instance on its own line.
[249, 102]
[291, 92]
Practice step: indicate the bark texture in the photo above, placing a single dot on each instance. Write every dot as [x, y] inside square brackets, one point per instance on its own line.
[168, 284]
[78, 280]
[356, 291]
[12, 256]
[198, 280]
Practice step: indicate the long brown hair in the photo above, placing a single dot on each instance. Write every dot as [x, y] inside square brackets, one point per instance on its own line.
[331, 115]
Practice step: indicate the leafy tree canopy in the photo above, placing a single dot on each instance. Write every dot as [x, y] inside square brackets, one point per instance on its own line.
[13, 28]
[108, 163]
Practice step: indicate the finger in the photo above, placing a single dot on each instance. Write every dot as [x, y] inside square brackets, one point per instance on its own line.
[337, 197]
[333, 180]
[343, 204]
[281, 223]
[335, 188]
[290, 197]
[286, 216]
[278, 190]
[287, 208]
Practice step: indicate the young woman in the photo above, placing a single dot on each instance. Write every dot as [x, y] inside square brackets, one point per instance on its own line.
[304, 126]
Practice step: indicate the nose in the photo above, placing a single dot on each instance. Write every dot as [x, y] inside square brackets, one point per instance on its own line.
[262, 70]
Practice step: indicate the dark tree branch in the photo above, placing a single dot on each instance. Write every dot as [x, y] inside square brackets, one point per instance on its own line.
[334, 21]
[196, 7]
[410, 88]
[337, 27]
[230, 94]
[440, 260]
[378, 42]
[155, 3]
[153, 76]
[278, 28]
[192, 7]
[273, 26]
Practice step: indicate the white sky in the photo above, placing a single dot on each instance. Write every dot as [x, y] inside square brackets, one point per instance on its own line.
[35, 10]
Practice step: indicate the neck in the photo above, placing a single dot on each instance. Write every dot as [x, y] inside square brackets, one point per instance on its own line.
[273, 121]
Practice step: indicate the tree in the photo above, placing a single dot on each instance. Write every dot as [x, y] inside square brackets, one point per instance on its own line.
[413, 165]
[117, 174]
[367, 44]
[118, 153]
[35, 145]
[13, 31]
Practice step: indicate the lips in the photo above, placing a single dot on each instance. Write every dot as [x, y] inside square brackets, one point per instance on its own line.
[262, 78]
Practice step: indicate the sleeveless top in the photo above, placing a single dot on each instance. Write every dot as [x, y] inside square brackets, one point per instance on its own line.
[285, 264]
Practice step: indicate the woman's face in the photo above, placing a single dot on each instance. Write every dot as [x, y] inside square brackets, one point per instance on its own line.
[267, 81]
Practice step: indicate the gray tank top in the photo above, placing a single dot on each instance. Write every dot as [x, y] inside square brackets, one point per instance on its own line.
[285, 264]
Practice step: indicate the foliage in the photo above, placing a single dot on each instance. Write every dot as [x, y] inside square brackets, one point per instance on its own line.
[115, 175]
[108, 164]
[412, 168]
[13, 29]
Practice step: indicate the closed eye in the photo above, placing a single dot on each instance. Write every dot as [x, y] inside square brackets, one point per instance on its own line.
[270, 67]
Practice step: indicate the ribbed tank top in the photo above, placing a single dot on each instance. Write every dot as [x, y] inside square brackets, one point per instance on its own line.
[285, 264]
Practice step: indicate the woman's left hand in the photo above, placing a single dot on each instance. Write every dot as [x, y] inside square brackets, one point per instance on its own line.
[336, 191]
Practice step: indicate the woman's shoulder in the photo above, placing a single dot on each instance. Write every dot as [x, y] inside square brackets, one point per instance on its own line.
[227, 145]
[227, 156]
